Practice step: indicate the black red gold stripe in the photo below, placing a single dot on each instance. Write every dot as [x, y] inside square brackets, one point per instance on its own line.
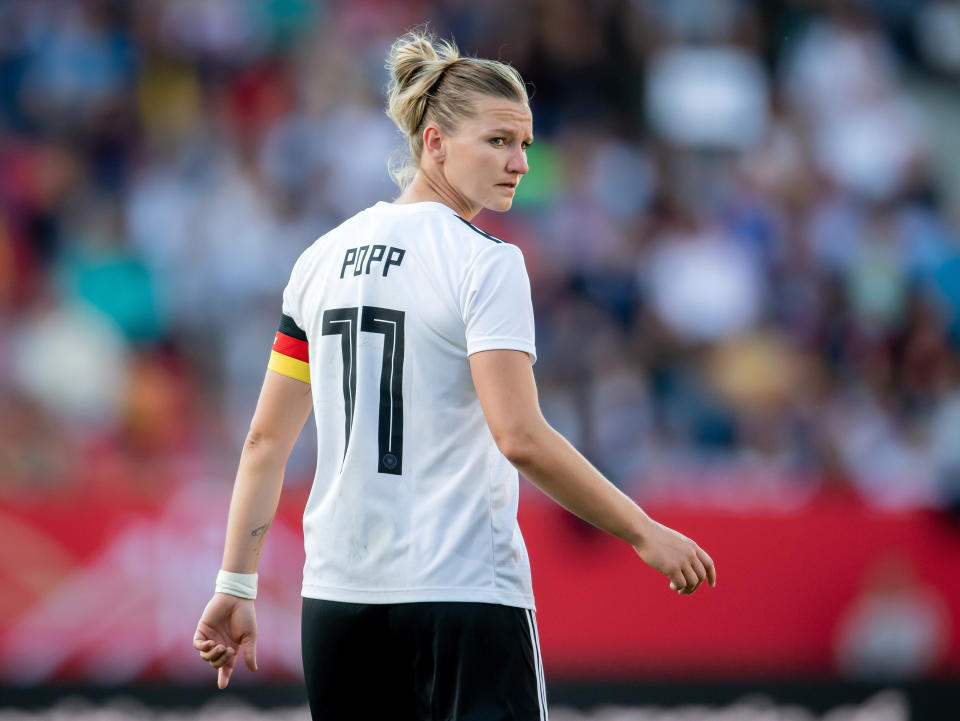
[290, 354]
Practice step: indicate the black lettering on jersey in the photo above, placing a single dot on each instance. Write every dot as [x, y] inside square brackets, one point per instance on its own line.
[348, 259]
[356, 256]
[376, 254]
[361, 256]
[394, 257]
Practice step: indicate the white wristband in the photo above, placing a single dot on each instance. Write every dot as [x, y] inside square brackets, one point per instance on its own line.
[243, 585]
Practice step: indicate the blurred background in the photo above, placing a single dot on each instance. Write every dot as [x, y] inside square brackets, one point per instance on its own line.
[742, 228]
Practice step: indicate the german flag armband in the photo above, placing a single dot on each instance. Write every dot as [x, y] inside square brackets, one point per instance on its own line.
[289, 355]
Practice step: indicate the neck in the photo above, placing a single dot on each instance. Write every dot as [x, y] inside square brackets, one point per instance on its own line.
[423, 187]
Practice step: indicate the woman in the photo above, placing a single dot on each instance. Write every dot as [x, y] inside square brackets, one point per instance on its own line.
[409, 332]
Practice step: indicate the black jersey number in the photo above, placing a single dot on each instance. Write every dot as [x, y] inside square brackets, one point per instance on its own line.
[389, 323]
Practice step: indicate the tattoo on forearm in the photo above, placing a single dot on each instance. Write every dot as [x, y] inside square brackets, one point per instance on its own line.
[260, 531]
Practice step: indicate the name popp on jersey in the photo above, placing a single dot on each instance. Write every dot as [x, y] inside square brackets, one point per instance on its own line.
[363, 257]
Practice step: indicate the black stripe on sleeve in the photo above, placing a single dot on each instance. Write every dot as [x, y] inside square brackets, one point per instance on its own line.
[484, 233]
[289, 327]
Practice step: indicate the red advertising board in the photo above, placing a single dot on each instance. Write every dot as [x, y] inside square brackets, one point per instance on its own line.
[98, 589]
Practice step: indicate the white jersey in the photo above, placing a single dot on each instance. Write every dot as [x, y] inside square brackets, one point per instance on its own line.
[412, 499]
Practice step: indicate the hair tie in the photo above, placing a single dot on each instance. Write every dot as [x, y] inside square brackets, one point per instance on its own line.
[436, 83]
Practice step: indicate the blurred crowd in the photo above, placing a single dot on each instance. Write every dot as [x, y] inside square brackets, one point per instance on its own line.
[741, 223]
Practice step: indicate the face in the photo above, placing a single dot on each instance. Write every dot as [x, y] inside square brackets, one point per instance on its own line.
[484, 160]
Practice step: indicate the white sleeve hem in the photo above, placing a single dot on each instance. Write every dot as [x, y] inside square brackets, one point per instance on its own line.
[522, 344]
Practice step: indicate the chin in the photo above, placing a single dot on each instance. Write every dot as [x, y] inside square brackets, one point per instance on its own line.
[500, 205]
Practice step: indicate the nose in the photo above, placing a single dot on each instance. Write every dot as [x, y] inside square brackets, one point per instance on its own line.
[517, 162]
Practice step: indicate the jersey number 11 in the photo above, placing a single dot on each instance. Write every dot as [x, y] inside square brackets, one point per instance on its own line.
[388, 322]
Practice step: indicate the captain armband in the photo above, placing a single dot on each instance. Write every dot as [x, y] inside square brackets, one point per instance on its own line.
[289, 355]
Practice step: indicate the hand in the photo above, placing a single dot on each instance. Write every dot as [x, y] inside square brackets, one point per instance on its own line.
[676, 557]
[228, 622]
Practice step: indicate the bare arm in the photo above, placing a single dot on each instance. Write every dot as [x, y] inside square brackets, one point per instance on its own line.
[228, 622]
[508, 394]
[282, 410]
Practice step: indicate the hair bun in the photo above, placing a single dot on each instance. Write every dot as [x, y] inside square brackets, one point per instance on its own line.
[416, 63]
[427, 80]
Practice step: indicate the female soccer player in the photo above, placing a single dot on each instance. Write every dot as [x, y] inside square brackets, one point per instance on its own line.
[409, 332]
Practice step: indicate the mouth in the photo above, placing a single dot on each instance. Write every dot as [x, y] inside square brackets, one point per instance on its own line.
[512, 186]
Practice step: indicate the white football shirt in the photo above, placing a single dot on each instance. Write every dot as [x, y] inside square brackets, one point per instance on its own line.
[412, 499]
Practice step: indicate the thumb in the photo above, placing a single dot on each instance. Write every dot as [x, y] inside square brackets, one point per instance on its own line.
[250, 652]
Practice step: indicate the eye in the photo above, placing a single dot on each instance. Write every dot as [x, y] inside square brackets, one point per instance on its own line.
[498, 141]
[524, 145]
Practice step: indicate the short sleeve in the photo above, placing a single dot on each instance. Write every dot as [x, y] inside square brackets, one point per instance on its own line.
[496, 303]
[290, 354]
[291, 297]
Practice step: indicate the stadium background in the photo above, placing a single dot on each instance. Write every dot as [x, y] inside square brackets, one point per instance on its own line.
[742, 227]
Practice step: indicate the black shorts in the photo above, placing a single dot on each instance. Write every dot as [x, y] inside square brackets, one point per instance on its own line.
[421, 661]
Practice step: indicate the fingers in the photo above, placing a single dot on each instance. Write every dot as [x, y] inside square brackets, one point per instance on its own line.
[201, 642]
[228, 657]
[223, 677]
[708, 564]
[688, 582]
[219, 655]
[213, 654]
[678, 558]
[701, 572]
[690, 576]
[250, 652]
[223, 658]
[226, 671]
[680, 579]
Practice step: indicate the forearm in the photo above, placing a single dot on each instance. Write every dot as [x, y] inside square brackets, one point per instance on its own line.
[551, 463]
[256, 493]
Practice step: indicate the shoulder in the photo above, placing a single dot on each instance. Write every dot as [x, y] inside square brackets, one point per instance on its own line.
[489, 255]
[480, 249]
[316, 250]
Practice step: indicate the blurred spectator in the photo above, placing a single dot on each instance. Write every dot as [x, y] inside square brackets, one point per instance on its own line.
[714, 97]
[72, 361]
[98, 269]
[740, 228]
[702, 284]
[36, 450]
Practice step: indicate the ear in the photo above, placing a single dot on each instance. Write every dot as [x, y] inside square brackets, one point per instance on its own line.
[433, 144]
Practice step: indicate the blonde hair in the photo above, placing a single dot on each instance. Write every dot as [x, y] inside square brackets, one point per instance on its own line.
[430, 82]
